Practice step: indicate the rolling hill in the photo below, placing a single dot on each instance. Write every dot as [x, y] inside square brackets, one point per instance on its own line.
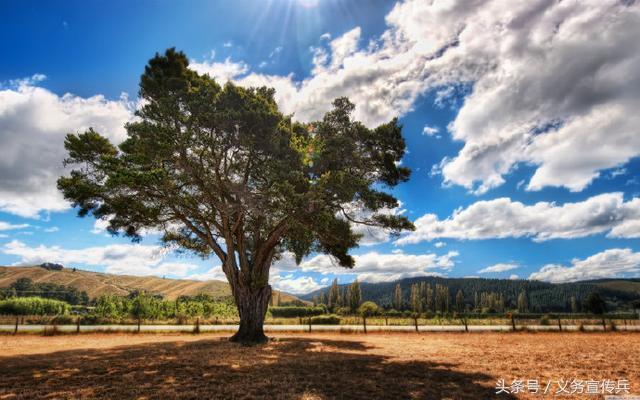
[96, 283]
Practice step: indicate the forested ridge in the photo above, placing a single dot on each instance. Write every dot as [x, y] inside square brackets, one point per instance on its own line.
[497, 295]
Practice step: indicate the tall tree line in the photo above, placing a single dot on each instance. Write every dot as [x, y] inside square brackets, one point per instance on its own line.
[433, 294]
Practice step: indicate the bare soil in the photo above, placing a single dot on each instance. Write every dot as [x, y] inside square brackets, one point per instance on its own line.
[309, 366]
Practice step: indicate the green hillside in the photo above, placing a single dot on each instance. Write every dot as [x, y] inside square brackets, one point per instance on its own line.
[620, 294]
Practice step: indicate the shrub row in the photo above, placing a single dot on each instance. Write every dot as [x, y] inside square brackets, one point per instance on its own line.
[325, 320]
[289, 312]
[33, 306]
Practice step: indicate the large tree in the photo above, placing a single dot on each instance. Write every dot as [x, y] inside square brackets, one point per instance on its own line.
[219, 170]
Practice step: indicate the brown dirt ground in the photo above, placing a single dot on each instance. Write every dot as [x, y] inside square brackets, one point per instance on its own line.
[308, 366]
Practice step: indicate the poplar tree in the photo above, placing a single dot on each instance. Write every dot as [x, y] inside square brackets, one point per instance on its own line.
[355, 296]
[397, 300]
[416, 301]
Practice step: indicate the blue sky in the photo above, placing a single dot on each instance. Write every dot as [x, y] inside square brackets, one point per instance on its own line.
[521, 126]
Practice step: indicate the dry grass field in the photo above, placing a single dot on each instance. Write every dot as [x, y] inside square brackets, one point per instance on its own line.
[311, 366]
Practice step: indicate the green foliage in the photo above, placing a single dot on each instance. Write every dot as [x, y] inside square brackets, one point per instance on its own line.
[33, 306]
[110, 306]
[333, 298]
[459, 301]
[368, 309]
[544, 320]
[325, 320]
[397, 298]
[491, 295]
[221, 171]
[354, 295]
[25, 287]
[523, 302]
[289, 312]
[143, 306]
[344, 311]
[392, 313]
[204, 162]
[594, 304]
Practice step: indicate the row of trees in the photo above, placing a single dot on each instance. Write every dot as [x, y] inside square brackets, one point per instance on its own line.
[345, 299]
[144, 306]
[424, 297]
[25, 287]
[534, 296]
[33, 306]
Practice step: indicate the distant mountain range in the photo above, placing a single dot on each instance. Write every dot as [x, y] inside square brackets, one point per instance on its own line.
[96, 283]
[542, 296]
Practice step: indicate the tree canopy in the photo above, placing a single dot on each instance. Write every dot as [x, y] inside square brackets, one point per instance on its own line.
[220, 170]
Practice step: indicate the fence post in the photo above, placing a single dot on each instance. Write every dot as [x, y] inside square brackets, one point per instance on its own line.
[604, 325]
[16, 330]
[364, 323]
[513, 323]
[138, 325]
[559, 325]
[415, 320]
[78, 325]
[309, 324]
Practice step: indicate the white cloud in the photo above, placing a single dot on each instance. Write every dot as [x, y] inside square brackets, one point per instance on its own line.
[498, 268]
[214, 273]
[502, 218]
[538, 80]
[439, 245]
[179, 270]
[280, 276]
[100, 226]
[371, 235]
[52, 229]
[5, 226]
[430, 130]
[33, 124]
[299, 285]
[221, 71]
[514, 277]
[383, 77]
[379, 267]
[554, 84]
[131, 259]
[611, 263]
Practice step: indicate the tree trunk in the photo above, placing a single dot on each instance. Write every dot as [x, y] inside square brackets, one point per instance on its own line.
[252, 307]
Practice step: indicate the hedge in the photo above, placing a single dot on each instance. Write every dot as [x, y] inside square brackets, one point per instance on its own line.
[291, 312]
[325, 320]
[33, 306]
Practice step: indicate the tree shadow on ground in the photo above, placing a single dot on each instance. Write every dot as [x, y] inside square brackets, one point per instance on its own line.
[295, 368]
